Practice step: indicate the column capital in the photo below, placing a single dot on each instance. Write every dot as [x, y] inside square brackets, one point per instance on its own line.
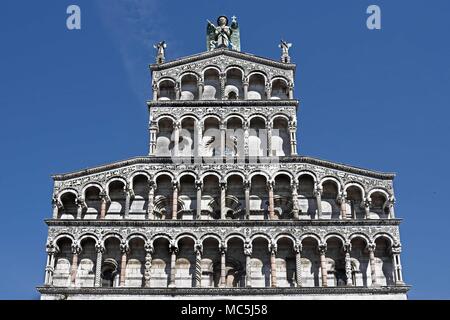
[198, 185]
[148, 247]
[175, 184]
[248, 248]
[56, 202]
[81, 202]
[396, 248]
[347, 247]
[371, 247]
[176, 125]
[75, 248]
[223, 247]
[198, 247]
[298, 247]
[322, 248]
[273, 247]
[318, 190]
[104, 196]
[173, 247]
[100, 247]
[342, 197]
[124, 247]
[270, 184]
[223, 185]
[247, 184]
[51, 248]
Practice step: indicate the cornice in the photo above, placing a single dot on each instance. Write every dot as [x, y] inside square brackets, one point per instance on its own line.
[287, 159]
[226, 52]
[219, 223]
[226, 291]
[224, 103]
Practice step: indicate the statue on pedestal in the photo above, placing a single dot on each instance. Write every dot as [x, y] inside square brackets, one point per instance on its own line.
[222, 35]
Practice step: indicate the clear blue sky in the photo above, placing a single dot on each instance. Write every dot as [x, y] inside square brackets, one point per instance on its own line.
[373, 99]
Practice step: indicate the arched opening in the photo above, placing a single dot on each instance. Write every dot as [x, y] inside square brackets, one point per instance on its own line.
[187, 134]
[163, 197]
[235, 264]
[69, 206]
[234, 138]
[63, 261]
[257, 87]
[211, 90]
[210, 263]
[282, 195]
[166, 90]
[257, 140]
[285, 263]
[260, 263]
[330, 207]
[281, 144]
[354, 202]
[280, 90]
[187, 198]
[306, 199]
[235, 198]
[93, 202]
[378, 209]
[164, 143]
[160, 269]
[86, 264]
[384, 269]
[211, 137]
[310, 263]
[110, 275]
[210, 198]
[185, 264]
[189, 87]
[335, 258]
[134, 275]
[360, 262]
[233, 85]
[259, 198]
[116, 191]
[139, 204]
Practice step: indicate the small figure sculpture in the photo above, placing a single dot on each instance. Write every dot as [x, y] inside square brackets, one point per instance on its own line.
[285, 51]
[160, 51]
[222, 36]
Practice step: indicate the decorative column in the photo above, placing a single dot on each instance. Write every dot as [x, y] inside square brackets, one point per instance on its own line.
[50, 267]
[342, 199]
[223, 251]
[155, 91]
[245, 84]
[222, 77]
[298, 263]
[129, 194]
[76, 250]
[223, 129]
[323, 264]
[223, 194]
[57, 205]
[176, 138]
[348, 264]
[177, 90]
[291, 89]
[199, 145]
[151, 198]
[100, 248]
[198, 264]
[270, 186]
[295, 206]
[173, 259]
[200, 86]
[247, 199]
[318, 193]
[371, 248]
[104, 199]
[269, 140]
[174, 200]
[124, 249]
[273, 264]
[246, 126]
[268, 89]
[398, 277]
[153, 129]
[149, 250]
[248, 267]
[293, 132]
[391, 203]
[80, 207]
[199, 185]
[366, 204]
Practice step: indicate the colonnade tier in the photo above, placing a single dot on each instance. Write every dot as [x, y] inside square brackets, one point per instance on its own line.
[211, 196]
[215, 84]
[235, 262]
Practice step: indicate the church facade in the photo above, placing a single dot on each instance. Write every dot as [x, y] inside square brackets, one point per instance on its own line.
[223, 206]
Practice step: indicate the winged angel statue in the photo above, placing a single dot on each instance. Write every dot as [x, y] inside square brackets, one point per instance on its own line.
[222, 35]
